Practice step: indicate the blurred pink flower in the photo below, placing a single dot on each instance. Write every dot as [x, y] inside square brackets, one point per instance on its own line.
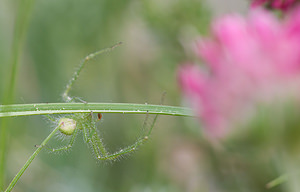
[248, 60]
[284, 5]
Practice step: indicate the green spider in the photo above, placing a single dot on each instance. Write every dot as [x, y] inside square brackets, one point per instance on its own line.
[72, 124]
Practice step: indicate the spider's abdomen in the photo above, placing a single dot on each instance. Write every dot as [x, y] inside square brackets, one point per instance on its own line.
[67, 126]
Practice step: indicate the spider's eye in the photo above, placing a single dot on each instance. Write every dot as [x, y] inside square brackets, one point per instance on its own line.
[67, 126]
[99, 116]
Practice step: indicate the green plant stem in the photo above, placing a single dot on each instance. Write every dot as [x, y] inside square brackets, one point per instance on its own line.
[278, 181]
[63, 108]
[21, 24]
[29, 161]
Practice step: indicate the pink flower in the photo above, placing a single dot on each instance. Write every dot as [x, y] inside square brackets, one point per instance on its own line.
[247, 61]
[283, 5]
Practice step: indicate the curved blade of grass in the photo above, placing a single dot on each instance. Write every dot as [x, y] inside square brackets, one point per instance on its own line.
[63, 108]
[29, 161]
[21, 23]
[277, 181]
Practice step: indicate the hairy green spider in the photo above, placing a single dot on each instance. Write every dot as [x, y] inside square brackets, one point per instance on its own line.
[71, 124]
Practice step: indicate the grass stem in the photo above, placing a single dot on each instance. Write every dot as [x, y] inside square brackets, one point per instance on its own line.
[20, 27]
[29, 161]
[64, 108]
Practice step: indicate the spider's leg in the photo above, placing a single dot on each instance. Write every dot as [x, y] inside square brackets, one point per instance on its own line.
[95, 148]
[99, 150]
[94, 137]
[85, 134]
[67, 147]
[80, 100]
[132, 147]
[100, 146]
[76, 99]
[155, 118]
[66, 96]
[151, 126]
[92, 140]
[126, 150]
[50, 118]
[86, 123]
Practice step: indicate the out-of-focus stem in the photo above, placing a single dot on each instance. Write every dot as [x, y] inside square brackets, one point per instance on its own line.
[21, 23]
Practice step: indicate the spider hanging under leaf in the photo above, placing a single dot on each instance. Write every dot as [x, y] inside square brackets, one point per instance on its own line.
[72, 124]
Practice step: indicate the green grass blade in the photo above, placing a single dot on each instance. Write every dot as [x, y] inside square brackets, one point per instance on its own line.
[63, 108]
[29, 161]
[21, 23]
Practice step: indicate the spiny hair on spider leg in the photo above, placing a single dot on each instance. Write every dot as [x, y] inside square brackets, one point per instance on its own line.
[105, 163]
[49, 119]
[67, 98]
[148, 123]
[91, 149]
[90, 145]
[111, 161]
[149, 120]
[107, 160]
[64, 138]
[125, 155]
[52, 120]
[57, 117]
[61, 137]
[61, 152]
[98, 161]
[141, 137]
[70, 99]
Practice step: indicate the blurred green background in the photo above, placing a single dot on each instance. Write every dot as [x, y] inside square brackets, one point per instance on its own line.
[59, 34]
[157, 37]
